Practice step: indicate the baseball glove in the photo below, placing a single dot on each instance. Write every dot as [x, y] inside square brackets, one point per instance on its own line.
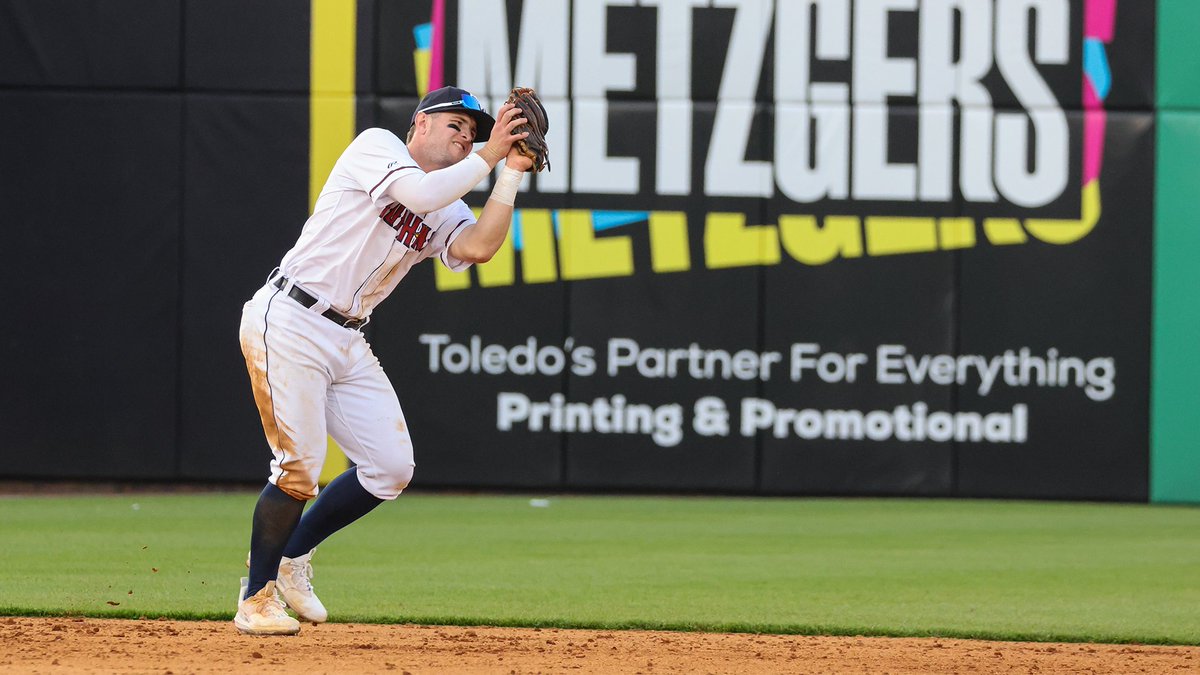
[533, 146]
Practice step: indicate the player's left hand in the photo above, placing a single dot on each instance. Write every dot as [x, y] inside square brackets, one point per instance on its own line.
[518, 160]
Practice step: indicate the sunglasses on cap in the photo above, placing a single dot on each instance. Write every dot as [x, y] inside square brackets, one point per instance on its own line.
[468, 101]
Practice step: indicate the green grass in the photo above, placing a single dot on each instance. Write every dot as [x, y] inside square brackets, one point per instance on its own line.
[1004, 570]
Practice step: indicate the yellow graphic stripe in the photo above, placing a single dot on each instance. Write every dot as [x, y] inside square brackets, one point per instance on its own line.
[539, 255]
[730, 242]
[421, 59]
[890, 235]
[582, 255]
[669, 242]
[332, 124]
[814, 243]
[331, 102]
[1070, 231]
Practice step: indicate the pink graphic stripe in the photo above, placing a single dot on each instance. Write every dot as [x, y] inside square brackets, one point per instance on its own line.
[1094, 122]
[1091, 100]
[1099, 23]
[436, 61]
[1099, 19]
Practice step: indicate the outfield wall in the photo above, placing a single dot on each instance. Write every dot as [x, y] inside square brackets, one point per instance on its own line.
[889, 247]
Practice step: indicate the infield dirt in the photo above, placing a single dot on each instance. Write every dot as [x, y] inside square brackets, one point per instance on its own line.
[79, 645]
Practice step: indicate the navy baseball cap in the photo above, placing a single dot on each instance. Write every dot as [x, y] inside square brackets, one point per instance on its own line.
[449, 99]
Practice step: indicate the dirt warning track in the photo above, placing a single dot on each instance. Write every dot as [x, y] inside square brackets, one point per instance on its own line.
[78, 645]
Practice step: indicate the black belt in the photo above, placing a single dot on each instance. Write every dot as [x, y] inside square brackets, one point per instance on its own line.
[308, 301]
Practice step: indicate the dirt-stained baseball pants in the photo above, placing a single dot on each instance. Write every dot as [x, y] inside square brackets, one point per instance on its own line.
[313, 378]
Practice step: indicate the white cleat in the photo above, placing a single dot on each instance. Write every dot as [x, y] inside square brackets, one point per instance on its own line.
[295, 585]
[263, 614]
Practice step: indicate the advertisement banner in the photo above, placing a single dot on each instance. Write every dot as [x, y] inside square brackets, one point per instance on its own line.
[885, 247]
[819, 247]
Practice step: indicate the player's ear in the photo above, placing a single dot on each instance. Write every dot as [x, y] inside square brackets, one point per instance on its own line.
[421, 123]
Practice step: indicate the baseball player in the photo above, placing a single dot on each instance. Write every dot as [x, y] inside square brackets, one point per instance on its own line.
[387, 205]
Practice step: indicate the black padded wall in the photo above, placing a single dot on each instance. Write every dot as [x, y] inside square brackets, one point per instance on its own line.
[885, 253]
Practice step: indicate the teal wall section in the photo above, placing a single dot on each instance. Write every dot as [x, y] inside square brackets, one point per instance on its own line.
[1175, 394]
[1178, 65]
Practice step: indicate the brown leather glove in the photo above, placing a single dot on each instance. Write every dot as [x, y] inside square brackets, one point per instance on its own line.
[533, 146]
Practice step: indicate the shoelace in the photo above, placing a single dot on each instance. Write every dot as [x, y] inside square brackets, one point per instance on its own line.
[268, 604]
[301, 576]
[308, 575]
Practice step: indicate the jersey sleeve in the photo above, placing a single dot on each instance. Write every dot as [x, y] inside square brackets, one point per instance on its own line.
[375, 159]
[458, 217]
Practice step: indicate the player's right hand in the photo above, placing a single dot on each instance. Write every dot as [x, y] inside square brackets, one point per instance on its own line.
[508, 118]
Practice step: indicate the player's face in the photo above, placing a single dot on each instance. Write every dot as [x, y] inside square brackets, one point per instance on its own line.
[449, 138]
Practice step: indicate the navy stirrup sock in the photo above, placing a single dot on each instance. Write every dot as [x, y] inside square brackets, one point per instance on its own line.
[275, 518]
[342, 502]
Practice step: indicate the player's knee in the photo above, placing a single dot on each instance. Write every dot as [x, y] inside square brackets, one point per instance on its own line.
[297, 477]
[297, 487]
[400, 474]
[403, 476]
[389, 480]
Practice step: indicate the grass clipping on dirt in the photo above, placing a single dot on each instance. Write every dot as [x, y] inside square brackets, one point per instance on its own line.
[978, 569]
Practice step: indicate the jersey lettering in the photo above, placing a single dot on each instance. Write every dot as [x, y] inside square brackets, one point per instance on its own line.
[411, 231]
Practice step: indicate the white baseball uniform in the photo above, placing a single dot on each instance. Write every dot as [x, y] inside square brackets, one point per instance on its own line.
[312, 370]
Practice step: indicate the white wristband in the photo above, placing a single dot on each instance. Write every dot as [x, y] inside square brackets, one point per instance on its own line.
[505, 189]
